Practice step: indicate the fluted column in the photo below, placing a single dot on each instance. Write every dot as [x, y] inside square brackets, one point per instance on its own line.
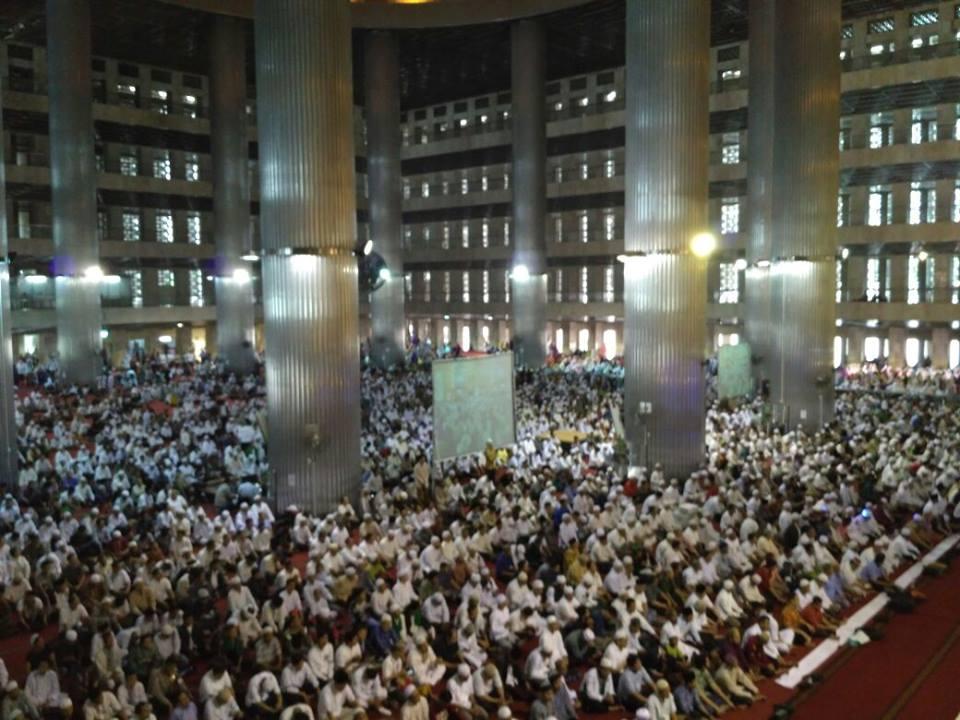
[382, 99]
[73, 186]
[667, 134]
[529, 296]
[8, 420]
[305, 102]
[231, 192]
[792, 185]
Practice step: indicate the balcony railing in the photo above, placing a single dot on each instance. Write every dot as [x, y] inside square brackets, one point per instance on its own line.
[904, 55]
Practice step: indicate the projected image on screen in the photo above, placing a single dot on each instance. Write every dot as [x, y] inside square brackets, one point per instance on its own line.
[472, 403]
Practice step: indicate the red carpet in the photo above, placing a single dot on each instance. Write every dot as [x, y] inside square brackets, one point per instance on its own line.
[875, 681]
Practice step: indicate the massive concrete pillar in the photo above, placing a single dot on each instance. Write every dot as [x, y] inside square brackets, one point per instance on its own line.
[231, 192]
[308, 207]
[529, 298]
[73, 187]
[667, 135]
[793, 183]
[382, 99]
[8, 421]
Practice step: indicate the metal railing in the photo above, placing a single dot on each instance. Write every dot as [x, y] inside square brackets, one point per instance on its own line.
[898, 57]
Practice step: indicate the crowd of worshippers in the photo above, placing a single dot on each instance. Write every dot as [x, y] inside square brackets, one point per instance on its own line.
[546, 581]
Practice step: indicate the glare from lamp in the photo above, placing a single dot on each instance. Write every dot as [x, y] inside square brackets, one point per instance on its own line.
[165, 339]
[923, 255]
[740, 265]
[94, 273]
[241, 276]
[384, 274]
[703, 244]
[35, 279]
[104, 334]
[112, 280]
[250, 257]
[845, 253]
[520, 273]
[763, 263]
[368, 247]
[180, 325]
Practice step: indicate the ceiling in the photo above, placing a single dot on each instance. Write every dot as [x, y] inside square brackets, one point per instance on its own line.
[437, 64]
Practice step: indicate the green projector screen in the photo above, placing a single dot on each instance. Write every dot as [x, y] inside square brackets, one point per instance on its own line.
[472, 403]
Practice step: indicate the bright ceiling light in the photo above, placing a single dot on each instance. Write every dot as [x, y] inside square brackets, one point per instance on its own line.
[923, 255]
[845, 253]
[740, 264]
[520, 273]
[250, 257]
[384, 274]
[241, 276]
[165, 339]
[35, 279]
[703, 244]
[94, 273]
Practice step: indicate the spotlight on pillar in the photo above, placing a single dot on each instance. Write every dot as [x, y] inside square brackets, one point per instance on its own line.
[368, 247]
[923, 255]
[845, 253]
[104, 334]
[374, 272]
[740, 265]
[241, 276]
[94, 273]
[520, 273]
[703, 244]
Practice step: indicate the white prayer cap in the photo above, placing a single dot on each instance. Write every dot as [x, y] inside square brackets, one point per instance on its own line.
[728, 584]
[504, 713]
[463, 670]
[589, 635]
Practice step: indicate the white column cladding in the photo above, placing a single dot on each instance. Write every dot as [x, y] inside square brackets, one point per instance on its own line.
[529, 186]
[8, 420]
[73, 187]
[667, 160]
[382, 101]
[305, 101]
[231, 192]
[793, 183]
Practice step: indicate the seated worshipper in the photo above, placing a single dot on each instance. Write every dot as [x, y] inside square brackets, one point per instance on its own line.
[736, 683]
[368, 689]
[488, 690]
[415, 706]
[298, 681]
[43, 690]
[337, 700]
[263, 699]
[463, 704]
[597, 693]
[16, 705]
[632, 684]
[815, 617]
[542, 706]
[427, 668]
[222, 706]
[101, 704]
[660, 704]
